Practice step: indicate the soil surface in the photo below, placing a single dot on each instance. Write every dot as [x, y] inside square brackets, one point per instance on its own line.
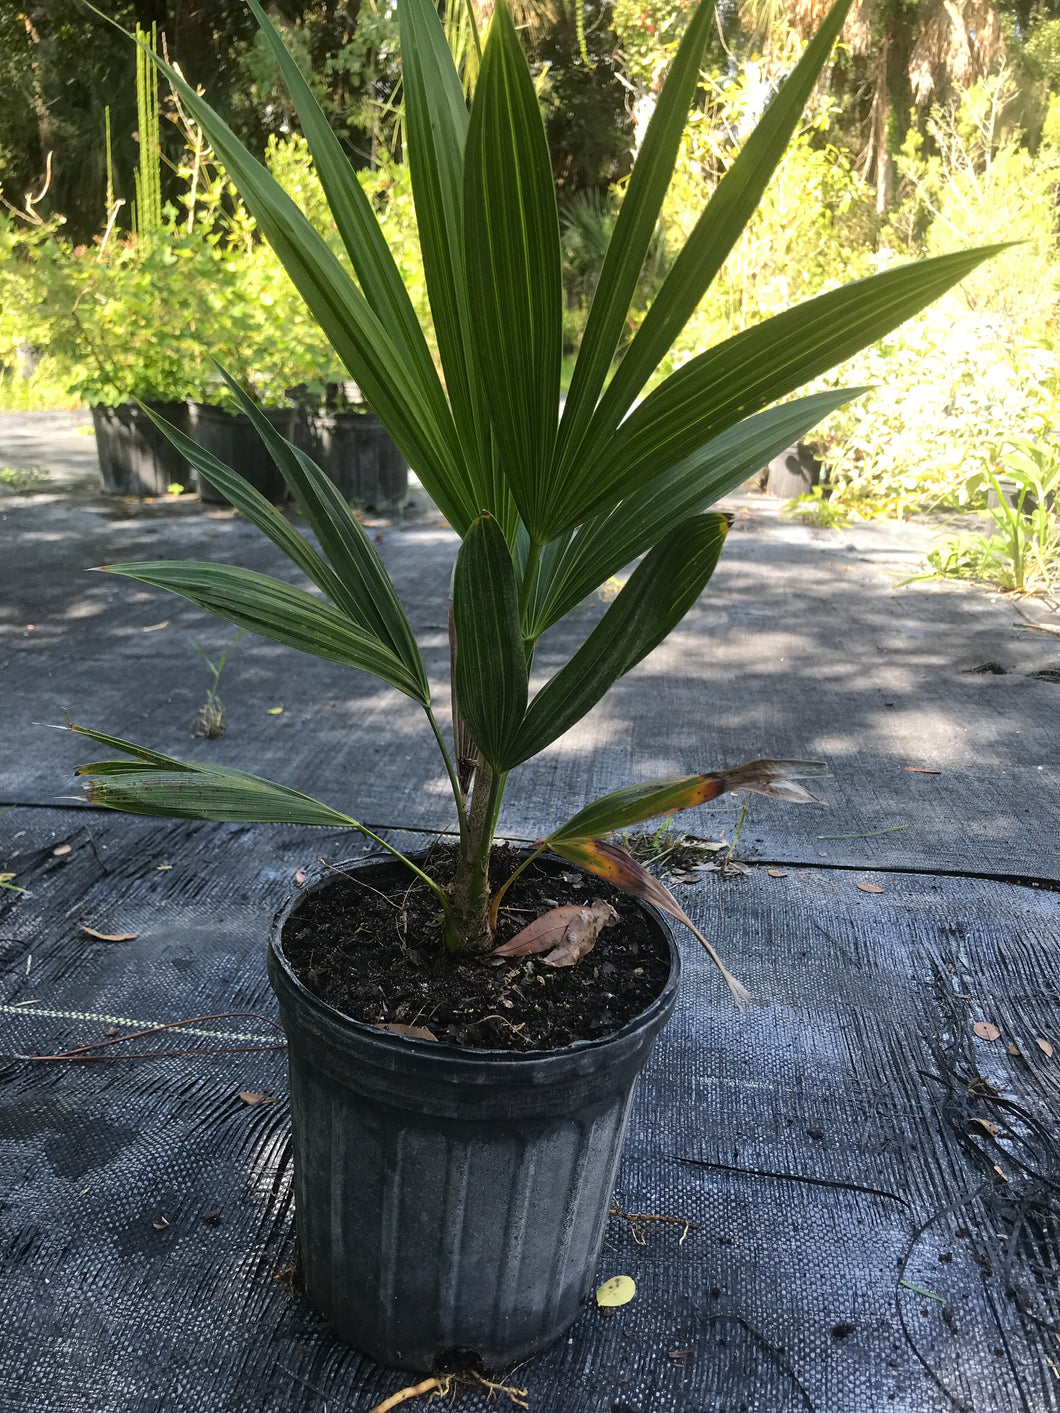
[380, 958]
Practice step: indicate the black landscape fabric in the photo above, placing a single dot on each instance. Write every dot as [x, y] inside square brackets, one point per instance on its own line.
[866, 1193]
[846, 1200]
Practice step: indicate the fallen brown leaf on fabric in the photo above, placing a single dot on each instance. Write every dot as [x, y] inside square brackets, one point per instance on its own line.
[61, 849]
[1003, 1176]
[1014, 1050]
[986, 1030]
[249, 1097]
[1044, 1045]
[777, 872]
[108, 936]
[922, 770]
[300, 876]
[991, 1129]
[415, 1032]
[870, 888]
[563, 935]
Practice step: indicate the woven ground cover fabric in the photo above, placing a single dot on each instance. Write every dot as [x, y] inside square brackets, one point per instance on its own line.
[934, 705]
[858, 1235]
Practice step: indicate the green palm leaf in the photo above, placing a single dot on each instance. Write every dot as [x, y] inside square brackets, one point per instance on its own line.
[490, 669]
[437, 118]
[718, 229]
[659, 593]
[411, 404]
[156, 784]
[251, 503]
[632, 235]
[604, 544]
[278, 611]
[364, 589]
[511, 230]
[355, 220]
[749, 371]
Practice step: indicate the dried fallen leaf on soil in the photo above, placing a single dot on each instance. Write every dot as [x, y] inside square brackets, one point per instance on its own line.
[986, 1030]
[619, 1290]
[249, 1097]
[870, 888]
[415, 1032]
[614, 864]
[777, 872]
[1044, 1046]
[108, 936]
[564, 934]
[991, 1129]
[61, 849]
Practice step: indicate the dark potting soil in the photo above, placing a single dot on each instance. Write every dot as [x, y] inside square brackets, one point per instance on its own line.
[380, 958]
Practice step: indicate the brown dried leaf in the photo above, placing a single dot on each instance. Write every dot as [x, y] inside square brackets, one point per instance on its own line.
[415, 1032]
[871, 888]
[249, 1097]
[922, 770]
[564, 934]
[777, 872]
[1003, 1176]
[610, 862]
[61, 849]
[300, 876]
[108, 936]
[1044, 1045]
[986, 1030]
[1014, 1050]
[991, 1129]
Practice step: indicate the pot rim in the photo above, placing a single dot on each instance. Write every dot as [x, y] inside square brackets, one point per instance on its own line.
[320, 874]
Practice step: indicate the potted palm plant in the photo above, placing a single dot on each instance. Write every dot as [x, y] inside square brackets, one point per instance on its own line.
[451, 1193]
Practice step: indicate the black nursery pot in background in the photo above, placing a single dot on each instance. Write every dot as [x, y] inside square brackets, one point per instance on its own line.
[451, 1202]
[793, 473]
[233, 439]
[355, 451]
[135, 459]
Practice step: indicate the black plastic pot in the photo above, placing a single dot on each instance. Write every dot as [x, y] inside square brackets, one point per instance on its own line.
[355, 450]
[451, 1200]
[231, 437]
[793, 473]
[135, 459]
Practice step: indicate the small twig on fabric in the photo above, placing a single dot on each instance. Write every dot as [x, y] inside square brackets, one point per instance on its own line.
[443, 1384]
[80, 1052]
[637, 1219]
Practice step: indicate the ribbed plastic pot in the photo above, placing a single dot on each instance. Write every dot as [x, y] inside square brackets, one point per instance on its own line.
[451, 1202]
[355, 450]
[233, 439]
[793, 473]
[135, 459]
